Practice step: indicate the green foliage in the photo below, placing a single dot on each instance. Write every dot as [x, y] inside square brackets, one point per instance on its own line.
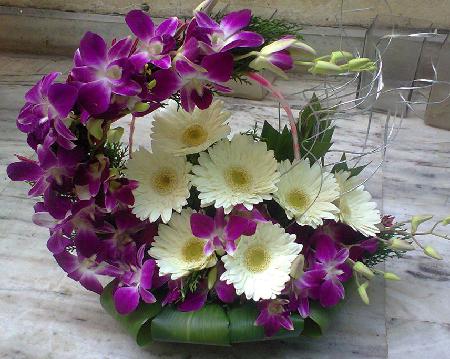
[342, 166]
[279, 142]
[117, 154]
[315, 130]
[190, 284]
[382, 254]
[315, 134]
[273, 29]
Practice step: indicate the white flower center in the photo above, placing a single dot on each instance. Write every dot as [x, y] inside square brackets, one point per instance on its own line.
[114, 72]
[257, 259]
[298, 199]
[192, 251]
[238, 178]
[164, 181]
[194, 135]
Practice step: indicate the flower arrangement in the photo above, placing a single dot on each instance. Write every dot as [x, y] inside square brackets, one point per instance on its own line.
[207, 237]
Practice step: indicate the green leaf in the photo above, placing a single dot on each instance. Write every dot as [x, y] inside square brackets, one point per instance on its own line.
[342, 166]
[136, 323]
[314, 130]
[279, 143]
[317, 322]
[243, 328]
[208, 325]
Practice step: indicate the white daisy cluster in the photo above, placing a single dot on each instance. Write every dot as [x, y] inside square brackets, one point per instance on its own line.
[192, 149]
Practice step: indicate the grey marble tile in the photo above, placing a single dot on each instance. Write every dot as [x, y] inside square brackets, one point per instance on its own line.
[417, 340]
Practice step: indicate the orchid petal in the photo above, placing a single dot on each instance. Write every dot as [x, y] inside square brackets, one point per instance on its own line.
[167, 27]
[331, 292]
[126, 299]
[235, 21]
[92, 49]
[202, 226]
[140, 24]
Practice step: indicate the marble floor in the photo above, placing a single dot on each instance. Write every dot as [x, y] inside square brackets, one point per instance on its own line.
[43, 314]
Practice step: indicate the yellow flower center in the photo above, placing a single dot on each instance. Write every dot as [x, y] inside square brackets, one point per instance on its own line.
[257, 259]
[238, 179]
[194, 135]
[298, 199]
[164, 181]
[192, 251]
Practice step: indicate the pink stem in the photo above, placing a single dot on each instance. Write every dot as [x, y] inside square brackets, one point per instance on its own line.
[130, 138]
[286, 107]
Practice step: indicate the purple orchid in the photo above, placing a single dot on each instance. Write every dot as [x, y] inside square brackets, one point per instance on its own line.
[225, 292]
[225, 36]
[327, 272]
[60, 229]
[213, 70]
[136, 282]
[101, 72]
[195, 300]
[48, 105]
[51, 169]
[119, 192]
[273, 316]
[155, 42]
[85, 266]
[221, 233]
[122, 235]
[90, 176]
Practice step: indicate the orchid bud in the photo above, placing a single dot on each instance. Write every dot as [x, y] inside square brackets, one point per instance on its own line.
[361, 268]
[115, 134]
[362, 291]
[151, 84]
[390, 276]
[301, 51]
[205, 6]
[361, 64]
[297, 266]
[212, 277]
[431, 252]
[401, 245]
[340, 57]
[141, 107]
[416, 221]
[325, 68]
[94, 127]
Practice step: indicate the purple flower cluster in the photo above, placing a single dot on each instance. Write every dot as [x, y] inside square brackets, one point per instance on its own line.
[85, 204]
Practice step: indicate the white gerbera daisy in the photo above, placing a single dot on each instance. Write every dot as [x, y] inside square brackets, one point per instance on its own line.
[176, 250]
[306, 193]
[179, 132]
[261, 264]
[355, 206]
[240, 171]
[163, 184]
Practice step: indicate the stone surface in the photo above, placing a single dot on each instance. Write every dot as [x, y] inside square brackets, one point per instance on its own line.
[317, 12]
[44, 314]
